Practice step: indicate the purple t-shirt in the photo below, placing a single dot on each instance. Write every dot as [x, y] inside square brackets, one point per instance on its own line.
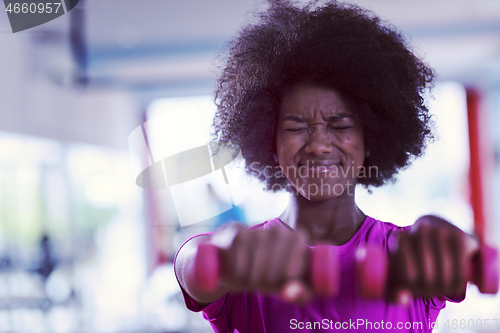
[253, 312]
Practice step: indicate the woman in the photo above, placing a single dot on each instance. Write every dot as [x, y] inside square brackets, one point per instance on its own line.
[321, 98]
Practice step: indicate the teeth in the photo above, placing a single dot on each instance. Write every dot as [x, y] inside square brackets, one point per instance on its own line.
[318, 164]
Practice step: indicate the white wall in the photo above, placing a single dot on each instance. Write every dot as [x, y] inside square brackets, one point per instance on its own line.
[36, 97]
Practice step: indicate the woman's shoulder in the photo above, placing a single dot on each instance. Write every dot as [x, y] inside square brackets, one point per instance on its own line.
[384, 226]
[379, 232]
[268, 224]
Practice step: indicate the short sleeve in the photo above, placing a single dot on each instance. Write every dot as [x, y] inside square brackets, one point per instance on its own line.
[211, 310]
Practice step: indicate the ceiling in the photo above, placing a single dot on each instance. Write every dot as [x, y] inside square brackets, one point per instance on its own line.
[172, 44]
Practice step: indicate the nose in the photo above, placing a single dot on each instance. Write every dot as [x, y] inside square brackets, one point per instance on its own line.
[318, 142]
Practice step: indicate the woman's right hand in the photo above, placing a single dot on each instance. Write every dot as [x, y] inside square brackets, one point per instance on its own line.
[272, 260]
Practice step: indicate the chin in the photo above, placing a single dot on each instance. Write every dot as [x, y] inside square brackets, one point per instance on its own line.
[320, 198]
[322, 189]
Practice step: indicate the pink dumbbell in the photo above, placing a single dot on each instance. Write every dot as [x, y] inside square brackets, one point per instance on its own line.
[324, 272]
[372, 268]
[207, 268]
[484, 270]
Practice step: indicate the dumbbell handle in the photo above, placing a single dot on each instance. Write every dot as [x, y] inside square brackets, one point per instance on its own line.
[372, 268]
[324, 272]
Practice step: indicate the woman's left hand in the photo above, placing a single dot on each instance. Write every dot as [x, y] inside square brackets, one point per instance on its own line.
[432, 258]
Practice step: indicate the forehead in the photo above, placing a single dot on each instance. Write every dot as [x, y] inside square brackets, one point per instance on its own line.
[310, 100]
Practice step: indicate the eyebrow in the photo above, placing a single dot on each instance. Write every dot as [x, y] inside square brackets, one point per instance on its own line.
[336, 117]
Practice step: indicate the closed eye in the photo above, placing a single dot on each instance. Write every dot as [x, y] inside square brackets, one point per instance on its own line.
[340, 127]
[298, 129]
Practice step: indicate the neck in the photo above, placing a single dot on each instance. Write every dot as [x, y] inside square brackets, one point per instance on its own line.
[335, 220]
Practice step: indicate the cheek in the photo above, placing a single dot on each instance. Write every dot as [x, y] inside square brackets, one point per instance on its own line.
[284, 148]
[285, 154]
[357, 147]
[285, 160]
[359, 150]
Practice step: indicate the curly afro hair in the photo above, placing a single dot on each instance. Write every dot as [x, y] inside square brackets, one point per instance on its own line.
[337, 45]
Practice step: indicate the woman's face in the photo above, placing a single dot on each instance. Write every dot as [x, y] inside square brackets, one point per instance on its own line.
[320, 145]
